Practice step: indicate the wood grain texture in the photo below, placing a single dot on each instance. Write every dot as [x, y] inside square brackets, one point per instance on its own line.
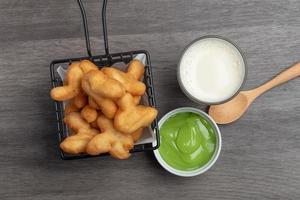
[260, 156]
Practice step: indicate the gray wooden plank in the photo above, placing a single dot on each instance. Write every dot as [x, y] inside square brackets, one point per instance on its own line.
[260, 156]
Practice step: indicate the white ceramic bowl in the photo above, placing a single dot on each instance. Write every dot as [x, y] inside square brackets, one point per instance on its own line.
[215, 156]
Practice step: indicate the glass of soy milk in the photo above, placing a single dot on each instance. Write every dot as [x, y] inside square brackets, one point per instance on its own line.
[211, 70]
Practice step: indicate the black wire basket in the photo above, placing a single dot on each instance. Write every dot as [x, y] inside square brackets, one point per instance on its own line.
[100, 61]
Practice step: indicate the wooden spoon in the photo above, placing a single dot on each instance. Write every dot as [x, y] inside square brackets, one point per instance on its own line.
[235, 108]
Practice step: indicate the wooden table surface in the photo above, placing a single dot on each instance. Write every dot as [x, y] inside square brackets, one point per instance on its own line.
[260, 157]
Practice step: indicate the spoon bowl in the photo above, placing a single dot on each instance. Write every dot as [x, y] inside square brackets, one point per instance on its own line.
[231, 110]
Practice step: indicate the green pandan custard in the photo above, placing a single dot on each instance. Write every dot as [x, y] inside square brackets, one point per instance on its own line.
[188, 141]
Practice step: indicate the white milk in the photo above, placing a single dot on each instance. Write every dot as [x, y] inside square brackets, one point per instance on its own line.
[212, 70]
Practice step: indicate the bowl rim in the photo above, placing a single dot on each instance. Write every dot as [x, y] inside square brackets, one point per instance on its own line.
[210, 163]
[188, 94]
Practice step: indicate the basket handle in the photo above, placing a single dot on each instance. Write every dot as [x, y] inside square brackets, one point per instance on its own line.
[86, 30]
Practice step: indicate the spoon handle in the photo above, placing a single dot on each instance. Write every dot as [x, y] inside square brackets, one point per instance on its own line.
[286, 75]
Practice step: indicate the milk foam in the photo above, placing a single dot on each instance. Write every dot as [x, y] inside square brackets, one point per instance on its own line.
[212, 70]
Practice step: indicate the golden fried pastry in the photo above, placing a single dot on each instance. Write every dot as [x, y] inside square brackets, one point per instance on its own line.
[131, 117]
[80, 100]
[89, 114]
[77, 143]
[136, 68]
[94, 124]
[75, 122]
[87, 66]
[106, 105]
[83, 134]
[93, 104]
[137, 99]
[132, 85]
[72, 84]
[70, 107]
[76, 103]
[110, 140]
[105, 100]
[100, 84]
[137, 134]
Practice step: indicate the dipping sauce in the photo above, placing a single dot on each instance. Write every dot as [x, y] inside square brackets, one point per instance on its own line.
[211, 70]
[188, 141]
